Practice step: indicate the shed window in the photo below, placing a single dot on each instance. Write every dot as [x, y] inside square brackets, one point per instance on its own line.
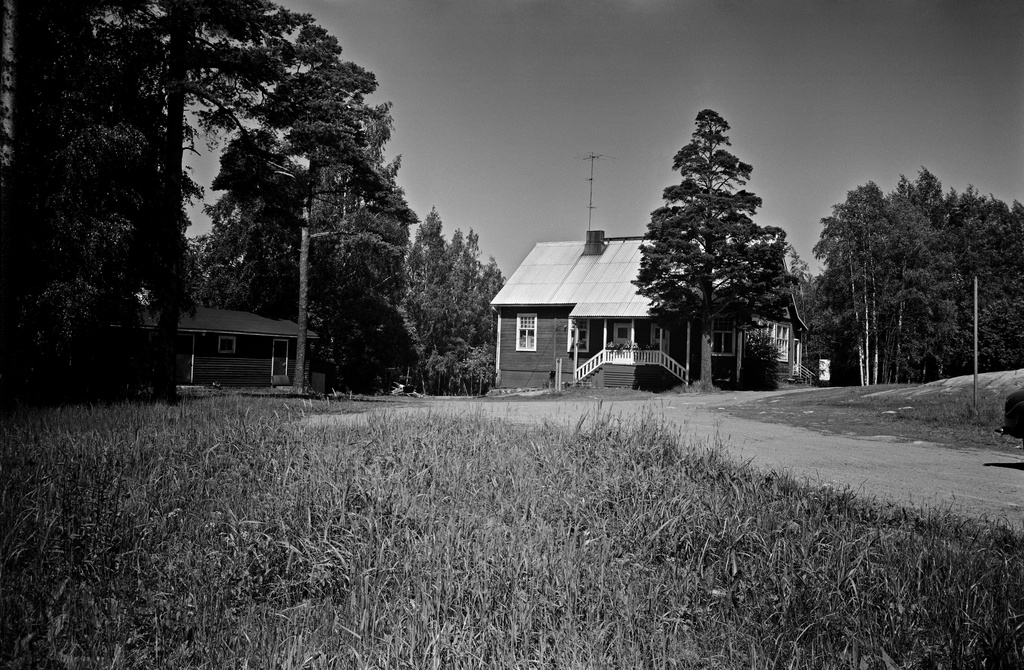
[723, 337]
[526, 326]
[226, 344]
[583, 326]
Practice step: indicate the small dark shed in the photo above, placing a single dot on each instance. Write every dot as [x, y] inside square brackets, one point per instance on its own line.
[234, 348]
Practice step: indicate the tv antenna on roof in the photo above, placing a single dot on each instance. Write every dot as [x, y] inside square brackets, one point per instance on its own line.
[591, 157]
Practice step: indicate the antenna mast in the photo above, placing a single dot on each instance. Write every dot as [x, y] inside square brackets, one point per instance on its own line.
[591, 157]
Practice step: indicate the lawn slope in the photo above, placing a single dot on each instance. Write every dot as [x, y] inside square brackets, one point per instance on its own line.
[225, 533]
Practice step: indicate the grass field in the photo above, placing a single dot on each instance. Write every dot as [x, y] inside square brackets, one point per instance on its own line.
[946, 417]
[227, 532]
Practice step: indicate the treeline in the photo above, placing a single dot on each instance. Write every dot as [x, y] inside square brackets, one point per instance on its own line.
[895, 300]
[102, 99]
[449, 310]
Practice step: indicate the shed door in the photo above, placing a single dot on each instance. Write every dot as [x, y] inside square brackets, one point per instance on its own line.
[279, 364]
[184, 353]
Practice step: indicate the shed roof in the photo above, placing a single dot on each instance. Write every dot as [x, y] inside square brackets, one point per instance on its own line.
[232, 322]
[558, 273]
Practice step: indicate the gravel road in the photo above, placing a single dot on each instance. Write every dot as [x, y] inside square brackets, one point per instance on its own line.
[974, 482]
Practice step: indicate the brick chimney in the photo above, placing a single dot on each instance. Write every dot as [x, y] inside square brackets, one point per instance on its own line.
[595, 243]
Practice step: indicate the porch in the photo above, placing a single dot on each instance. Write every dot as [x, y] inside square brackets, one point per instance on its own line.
[623, 361]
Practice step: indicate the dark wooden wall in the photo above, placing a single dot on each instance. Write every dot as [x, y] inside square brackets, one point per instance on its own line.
[248, 366]
[532, 369]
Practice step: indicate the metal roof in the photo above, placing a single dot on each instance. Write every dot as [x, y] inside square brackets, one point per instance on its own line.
[557, 273]
[232, 322]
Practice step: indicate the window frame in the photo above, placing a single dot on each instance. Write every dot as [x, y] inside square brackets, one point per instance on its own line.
[221, 339]
[780, 333]
[723, 327]
[584, 342]
[520, 328]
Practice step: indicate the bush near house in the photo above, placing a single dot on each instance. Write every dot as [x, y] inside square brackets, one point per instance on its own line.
[760, 362]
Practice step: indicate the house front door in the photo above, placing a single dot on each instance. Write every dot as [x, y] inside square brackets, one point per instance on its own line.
[279, 362]
[184, 354]
[621, 332]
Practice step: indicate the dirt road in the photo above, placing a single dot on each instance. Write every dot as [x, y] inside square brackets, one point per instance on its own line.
[981, 483]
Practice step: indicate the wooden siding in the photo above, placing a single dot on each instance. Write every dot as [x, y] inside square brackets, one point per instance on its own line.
[522, 369]
[236, 371]
[644, 377]
[231, 371]
[619, 376]
[249, 366]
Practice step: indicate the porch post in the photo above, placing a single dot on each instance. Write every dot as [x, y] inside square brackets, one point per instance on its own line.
[605, 340]
[632, 331]
[576, 347]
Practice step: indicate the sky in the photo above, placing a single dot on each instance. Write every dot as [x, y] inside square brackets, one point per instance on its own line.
[497, 102]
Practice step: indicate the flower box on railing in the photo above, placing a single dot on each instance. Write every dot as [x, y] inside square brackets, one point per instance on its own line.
[632, 354]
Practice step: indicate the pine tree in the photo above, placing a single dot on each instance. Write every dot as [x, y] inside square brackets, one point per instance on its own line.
[705, 258]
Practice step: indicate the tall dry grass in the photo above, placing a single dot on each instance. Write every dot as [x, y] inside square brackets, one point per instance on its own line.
[230, 533]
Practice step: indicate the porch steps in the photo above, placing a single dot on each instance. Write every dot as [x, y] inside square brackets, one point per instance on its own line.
[608, 360]
[802, 375]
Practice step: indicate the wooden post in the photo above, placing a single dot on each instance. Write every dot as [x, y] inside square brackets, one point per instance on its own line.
[975, 345]
[576, 348]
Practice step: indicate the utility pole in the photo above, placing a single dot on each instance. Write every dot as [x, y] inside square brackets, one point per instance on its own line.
[590, 206]
[975, 345]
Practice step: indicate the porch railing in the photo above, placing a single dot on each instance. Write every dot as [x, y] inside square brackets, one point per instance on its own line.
[630, 357]
[803, 375]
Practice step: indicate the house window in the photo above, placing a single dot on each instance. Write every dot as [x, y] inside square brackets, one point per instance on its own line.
[583, 327]
[723, 338]
[226, 344]
[526, 326]
[780, 335]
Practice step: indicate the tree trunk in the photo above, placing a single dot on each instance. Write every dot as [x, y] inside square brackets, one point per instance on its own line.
[706, 334]
[865, 374]
[299, 376]
[856, 317]
[9, 216]
[874, 332]
[170, 231]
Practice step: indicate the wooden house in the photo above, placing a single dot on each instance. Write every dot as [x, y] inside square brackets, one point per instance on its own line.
[233, 348]
[575, 302]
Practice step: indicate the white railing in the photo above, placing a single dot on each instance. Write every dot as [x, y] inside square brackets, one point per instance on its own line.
[630, 357]
[590, 366]
[803, 374]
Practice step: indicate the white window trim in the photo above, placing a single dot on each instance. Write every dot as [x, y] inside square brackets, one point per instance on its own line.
[226, 338]
[584, 345]
[780, 336]
[520, 328]
[732, 332]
